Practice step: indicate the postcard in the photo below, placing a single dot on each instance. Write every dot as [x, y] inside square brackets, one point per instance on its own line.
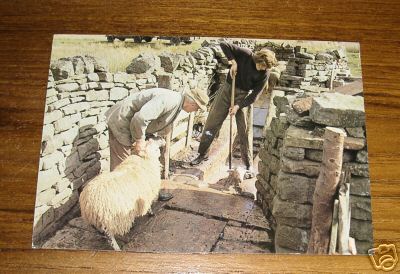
[203, 145]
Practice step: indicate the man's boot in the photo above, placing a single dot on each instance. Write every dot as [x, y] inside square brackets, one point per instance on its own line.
[199, 160]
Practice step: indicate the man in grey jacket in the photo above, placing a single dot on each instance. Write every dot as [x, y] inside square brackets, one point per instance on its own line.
[150, 111]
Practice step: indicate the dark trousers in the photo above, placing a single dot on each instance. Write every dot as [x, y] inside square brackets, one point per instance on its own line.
[218, 113]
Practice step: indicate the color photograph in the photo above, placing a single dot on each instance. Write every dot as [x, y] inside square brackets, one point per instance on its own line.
[204, 145]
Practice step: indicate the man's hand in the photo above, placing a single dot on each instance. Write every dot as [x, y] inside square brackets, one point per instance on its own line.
[139, 147]
[233, 110]
[233, 70]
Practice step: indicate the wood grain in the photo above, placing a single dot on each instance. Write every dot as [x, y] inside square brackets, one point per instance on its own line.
[26, 28]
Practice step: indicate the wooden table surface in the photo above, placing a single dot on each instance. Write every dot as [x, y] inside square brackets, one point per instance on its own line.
[26, 29]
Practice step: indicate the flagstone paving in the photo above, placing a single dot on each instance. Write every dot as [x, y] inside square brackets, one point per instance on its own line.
[196, 220]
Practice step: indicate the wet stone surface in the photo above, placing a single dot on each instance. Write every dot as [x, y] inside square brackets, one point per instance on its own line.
[218, 205]
[174, 231]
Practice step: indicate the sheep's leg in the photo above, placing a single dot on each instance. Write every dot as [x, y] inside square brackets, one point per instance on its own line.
[151, 213]
[114, 243]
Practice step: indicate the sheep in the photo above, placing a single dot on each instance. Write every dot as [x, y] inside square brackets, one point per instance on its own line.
[112, 200]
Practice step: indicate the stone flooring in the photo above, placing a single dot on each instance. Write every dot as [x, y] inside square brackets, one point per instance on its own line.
[199, 219]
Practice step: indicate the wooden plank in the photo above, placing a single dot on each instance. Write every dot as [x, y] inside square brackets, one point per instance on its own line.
[344, 215]
[334, 229]
[166, 155]
[189, 129]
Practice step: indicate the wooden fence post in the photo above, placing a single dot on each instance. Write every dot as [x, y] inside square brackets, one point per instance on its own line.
[325, 189]
[166, 154]
[189, 129]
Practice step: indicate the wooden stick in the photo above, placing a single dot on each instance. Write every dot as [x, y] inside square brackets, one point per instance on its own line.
[344, 214]
[325, 189]
[189, 130]
[166, 155]
[231, 121]
[334, 229]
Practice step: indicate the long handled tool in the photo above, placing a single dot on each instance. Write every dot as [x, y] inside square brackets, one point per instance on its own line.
[231, 122]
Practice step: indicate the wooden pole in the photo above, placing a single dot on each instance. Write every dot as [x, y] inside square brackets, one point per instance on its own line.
[250, 118]
[344, 215]
[166, 155]
[325, 189]
[333, 75]
[231, 122]
[189, 129]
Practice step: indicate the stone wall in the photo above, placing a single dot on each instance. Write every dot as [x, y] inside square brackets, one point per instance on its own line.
[75, 135]
[290, 163]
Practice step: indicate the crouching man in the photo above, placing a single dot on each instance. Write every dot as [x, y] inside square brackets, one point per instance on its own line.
[145, 113]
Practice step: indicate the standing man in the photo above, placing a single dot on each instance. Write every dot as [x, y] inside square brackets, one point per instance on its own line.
[147, 112]
[251, 71]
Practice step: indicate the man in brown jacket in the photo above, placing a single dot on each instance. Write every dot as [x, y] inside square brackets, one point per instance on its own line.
[251, 71]
[151, 111]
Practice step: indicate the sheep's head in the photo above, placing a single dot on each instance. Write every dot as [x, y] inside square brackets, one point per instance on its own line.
[153, 147]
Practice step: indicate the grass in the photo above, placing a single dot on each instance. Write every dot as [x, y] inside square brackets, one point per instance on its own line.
[119, 54]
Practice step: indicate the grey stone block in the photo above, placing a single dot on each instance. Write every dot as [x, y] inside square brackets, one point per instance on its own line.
[45, 196]
[294, 153]
[118, 93]
[68, 87]
[362, 157]
[338, 110]
[306, 167]
[97, 95]
[358, 169]
[292, 238]
[360, 207]
[361, 230]
[52, 116]
[292, 214]
[360, 186]
[279, 126]
[295, 188]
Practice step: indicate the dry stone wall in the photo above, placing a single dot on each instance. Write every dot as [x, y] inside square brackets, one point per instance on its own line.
[290, 163]
[75, 136]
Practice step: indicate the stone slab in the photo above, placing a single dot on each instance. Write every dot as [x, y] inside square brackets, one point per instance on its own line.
[360, 186]
[338, 110]
[218, 205]
[78, 236]
[299, 137]
[292, 214]
[295, 188]
[242, 234]
[174, 231]
[257, 218]
[361, 230]
[360, 208]
[306, 167]
[292, 238]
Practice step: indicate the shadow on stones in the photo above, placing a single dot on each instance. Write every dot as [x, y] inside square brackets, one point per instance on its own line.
[81, 165]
